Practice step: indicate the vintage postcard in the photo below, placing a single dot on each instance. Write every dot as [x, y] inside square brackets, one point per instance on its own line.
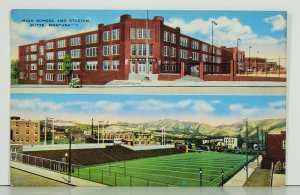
[129, 48]
[148, 98]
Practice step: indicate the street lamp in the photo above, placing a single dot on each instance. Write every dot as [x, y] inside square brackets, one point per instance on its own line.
[222, 173]
[69, 157]
[201, 172]
[212, 43]
[98, 138]
[237, 54]
[248, 61]
[257, 59]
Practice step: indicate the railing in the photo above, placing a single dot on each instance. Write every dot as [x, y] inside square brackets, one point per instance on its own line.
[40, 162]
[270, 180]
[114, 178]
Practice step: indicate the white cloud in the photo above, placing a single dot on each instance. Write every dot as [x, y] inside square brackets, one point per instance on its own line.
[278, 22]
[277, 104]
[226, 33]
[202, 107]
[272, 110]
[35, 105]
[184, 103]
[108, 106]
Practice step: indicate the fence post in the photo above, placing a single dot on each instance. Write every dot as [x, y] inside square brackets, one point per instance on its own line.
[78, 171]
[130, 180]
[89, 173]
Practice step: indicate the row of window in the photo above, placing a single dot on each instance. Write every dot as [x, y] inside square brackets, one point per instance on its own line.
[27, 131]
[141, 33]
[141, 50]
[111, 35]
[22, 139]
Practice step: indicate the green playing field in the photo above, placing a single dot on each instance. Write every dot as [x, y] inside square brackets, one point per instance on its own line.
[170, 170]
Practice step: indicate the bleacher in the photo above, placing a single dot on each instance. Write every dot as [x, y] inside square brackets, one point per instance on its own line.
[101, 155]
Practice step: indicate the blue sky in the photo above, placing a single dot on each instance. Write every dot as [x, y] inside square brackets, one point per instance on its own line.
[265, 31]
[213, 110]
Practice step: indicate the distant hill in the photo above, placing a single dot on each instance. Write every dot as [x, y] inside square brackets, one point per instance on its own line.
[177, 127]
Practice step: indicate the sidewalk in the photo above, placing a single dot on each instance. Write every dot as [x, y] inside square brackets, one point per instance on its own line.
[54, 175]
[239, 179]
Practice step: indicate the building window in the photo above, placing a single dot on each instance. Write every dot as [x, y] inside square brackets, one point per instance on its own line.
[59, 65]
[33, 66]
[105, 35]
[32, 76]
[204, 48]
[61, 43]
[36, 139]
[91, 65]
[49, 56]
[195, 56]
[33, 57]
[40, 61]
[106, 64]
[166, 36]
[91, 52]
[17, 131]
[165, 51]
[75, 41]
[60, 77]
[40, 72]
[27, 58]
[27, 124]
[132, 33]
[21, 76]
[49, 45]
[150, 50]
[115, 50]
[218, 51]
[283, 144]
[61, 54]
[184, 41]
[41, 50]
[49, 77]
[173, 38]
[183, 54]
[204, 58]
[115, 34]
[50, 66]
[132, 49]
[218, 60]
[173, 52]
[33, 48]
[27, 131]
[36, 131]
[141, 50]
[75, 65]
[27, 139]
[106, 50]
[92, 38]
[75, 53]
[115, 65]
[141, 33]
[195, 44]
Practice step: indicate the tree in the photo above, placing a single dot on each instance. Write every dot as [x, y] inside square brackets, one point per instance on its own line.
[67, 66]
[14, 70]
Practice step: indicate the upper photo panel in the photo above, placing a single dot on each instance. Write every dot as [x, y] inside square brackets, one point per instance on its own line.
[94, 48]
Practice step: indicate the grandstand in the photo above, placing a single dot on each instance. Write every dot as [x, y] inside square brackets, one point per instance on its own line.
[120, 166]
[101, 155]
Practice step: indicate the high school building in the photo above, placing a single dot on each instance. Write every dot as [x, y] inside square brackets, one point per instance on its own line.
[25, 132]
[129, 49]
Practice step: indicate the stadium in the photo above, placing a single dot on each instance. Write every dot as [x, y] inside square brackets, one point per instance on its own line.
[120, 165]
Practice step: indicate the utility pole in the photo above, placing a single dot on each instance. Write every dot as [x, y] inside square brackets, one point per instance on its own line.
[212, 44]
[45, 132]
[237, 55]
[247, 141]
[52, 131]
[248, 68]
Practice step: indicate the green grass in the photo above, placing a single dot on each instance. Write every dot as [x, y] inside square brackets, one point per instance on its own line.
[171, 170]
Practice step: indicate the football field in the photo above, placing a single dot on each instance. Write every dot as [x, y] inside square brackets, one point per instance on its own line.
[171, 170]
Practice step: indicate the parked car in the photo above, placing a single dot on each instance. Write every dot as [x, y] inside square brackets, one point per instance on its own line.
[75, 83]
